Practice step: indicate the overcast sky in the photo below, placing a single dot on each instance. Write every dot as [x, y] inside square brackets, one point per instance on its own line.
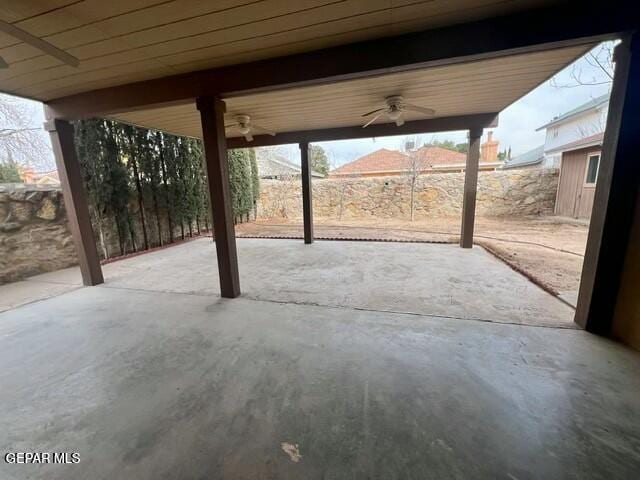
[516, 129]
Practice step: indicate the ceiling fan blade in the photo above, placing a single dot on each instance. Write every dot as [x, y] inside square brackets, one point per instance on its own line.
[372, 120]
[3, 64]
[374, 111]
[248, 137]
[258, 128]
[231, 125]
[400, 121]
[416, 108]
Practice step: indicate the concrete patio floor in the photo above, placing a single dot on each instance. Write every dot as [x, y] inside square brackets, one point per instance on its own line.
[153, 376]
[429, 279]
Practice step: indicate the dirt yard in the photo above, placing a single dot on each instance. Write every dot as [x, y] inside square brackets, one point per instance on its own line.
[549, 250]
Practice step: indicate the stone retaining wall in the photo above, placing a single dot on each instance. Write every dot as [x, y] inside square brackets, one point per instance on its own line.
[34, 236]
[512, 192]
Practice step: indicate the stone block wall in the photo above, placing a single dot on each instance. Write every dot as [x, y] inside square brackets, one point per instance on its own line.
[34, 236]
[510, 192]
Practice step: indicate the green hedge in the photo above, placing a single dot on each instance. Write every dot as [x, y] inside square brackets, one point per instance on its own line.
[162, 175]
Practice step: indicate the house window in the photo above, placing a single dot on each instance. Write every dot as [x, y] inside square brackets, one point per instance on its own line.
[555, 132]
[593, 164]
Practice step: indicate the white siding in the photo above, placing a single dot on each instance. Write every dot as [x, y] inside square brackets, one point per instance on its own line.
[585, 125]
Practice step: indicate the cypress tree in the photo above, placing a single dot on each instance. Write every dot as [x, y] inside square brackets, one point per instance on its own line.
[105, 177]
[166, 151]
[182, 183]
[88, 148]
[255, 182]
[118, 160]
[150, 168]
[132, 160]
[199, 192]
[118, 179]
[173, 148]
[190, 185]
[240, 182]
[120, 140]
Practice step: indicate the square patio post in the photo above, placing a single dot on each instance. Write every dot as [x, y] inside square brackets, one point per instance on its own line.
[307, 200]
[470, 188]
[617, 190]
[75, 199]
[216, 163]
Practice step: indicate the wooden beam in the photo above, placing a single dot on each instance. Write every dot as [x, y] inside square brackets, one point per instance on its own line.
[470, 188]
[565, 24]
[37, 42]
[216, 163]
[75, 199]
[615, 196]
[307, 201]
[432, 125]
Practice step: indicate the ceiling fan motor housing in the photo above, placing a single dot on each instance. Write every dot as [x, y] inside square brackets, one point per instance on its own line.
[395, 104]
[243, 119]
[394, 110]
[244, 125]
[394, 101]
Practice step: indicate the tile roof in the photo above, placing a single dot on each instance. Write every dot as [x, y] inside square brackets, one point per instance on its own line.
[385, 160]
[380, 160]
[48, 173]
[435, 156]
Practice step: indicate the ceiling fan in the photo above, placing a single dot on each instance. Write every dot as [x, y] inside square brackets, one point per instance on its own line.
[394, 108]
[244, 126]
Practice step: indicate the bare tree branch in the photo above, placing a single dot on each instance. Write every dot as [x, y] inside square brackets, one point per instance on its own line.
[606, 69]
[599, 60]
[21, 138]
[5, 132]
[415, 168]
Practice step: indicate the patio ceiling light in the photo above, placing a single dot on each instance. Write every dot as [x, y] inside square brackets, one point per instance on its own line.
[394, 108]
[245, 127]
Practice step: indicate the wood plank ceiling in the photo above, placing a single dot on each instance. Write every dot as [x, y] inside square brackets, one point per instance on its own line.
[482, 86]
[122, 41]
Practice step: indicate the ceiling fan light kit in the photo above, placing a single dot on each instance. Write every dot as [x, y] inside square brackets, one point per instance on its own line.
[245, 127]
[394, 109]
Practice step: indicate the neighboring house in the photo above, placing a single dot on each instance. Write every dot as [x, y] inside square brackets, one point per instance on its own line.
[531, 159]
[378, 163]
[562, 133]
[582, 122]
[47, 178]
[277, 167]
[580, 163]
[426, 159]
[573, 142]
[29, 175]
